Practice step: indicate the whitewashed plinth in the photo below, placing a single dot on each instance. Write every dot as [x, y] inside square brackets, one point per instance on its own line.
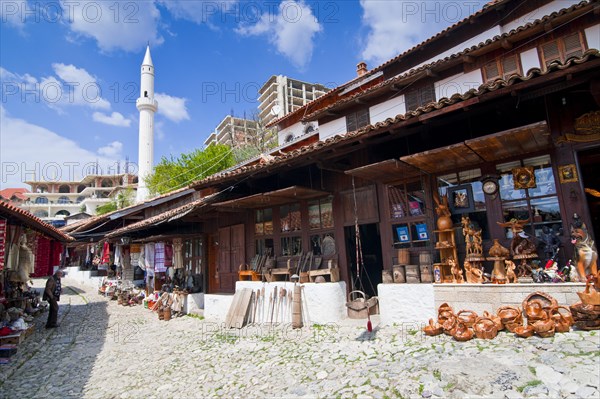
[216, 306]
[323, 302]
[194, 303]
[405, 303]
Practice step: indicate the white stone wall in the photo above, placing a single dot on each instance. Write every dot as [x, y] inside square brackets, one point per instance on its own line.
[592, 36]
[216, 306]
[337, 126]
[406, 303]
[460, 83]
[530, 59]
[387, 109]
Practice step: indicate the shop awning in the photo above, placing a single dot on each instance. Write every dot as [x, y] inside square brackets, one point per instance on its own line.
[387, 172]
[521, 140]
[273, 198]
[493, 147]
[456, 156]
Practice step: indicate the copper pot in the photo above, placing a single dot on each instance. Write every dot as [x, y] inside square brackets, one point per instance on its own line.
[450, 325]
[497, 320]
[524, 331]
[468, 317]
[485, 328]
[462, 332]
[433, 328]
[445, 312]
[545, 325]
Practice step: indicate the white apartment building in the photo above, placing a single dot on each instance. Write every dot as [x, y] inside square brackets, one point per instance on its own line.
[53, 201]
[281, 95]
[232, 131]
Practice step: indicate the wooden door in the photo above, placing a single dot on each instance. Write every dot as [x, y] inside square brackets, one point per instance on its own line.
[231, 256]
[213, 260]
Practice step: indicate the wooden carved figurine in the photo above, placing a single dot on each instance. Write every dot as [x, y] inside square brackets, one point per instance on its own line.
[521, 244]
[586, 253]
[457, 276]
[442, 210]
[474, 275]
[511, 277]
[498, 252]
[472, 237]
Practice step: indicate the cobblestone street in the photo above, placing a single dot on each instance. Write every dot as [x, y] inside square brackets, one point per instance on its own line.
[103, 350]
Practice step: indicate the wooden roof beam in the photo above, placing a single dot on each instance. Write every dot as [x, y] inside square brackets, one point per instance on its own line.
[468, 59]
[506, 44]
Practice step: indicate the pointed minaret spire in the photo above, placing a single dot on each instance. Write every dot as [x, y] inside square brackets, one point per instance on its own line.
[147, 106]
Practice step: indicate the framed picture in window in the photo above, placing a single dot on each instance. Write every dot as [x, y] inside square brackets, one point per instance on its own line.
[567, 173]
[460, 199]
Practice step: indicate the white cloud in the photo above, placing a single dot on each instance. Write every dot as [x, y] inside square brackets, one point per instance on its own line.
[202, 11]
[12, 13]
[25, 154]
[292, 31]
[71, 86]
[112, 150]
[114, 119]
[172, 108]
[396, 26]
[114, 25]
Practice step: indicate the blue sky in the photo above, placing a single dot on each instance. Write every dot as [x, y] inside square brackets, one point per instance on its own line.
[70, 69]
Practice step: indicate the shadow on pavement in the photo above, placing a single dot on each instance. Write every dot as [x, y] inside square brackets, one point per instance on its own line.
[58, 362]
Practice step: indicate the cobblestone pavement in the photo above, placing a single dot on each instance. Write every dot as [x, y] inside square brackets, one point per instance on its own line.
[103, 350]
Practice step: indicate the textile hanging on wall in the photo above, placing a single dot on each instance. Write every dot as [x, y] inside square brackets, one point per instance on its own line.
[2, 242]
[178, 253]
[105, 253]
[13, 234]
[149, 256]
[118, 255]
[168, 255]
[159, 257]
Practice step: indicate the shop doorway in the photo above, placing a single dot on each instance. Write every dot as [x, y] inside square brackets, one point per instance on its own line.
[589, 166]
[372, 258]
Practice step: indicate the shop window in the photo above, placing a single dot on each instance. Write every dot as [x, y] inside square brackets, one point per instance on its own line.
[407, 212]
[290, 218]
[192, 255]
[357, 119]
[291, 246]
[537, 203]
[562, 49]
[264, 222]
[264, 246]
[320, 214]
[501, 68]
[469, 182]
[323, 244]
[419, 97]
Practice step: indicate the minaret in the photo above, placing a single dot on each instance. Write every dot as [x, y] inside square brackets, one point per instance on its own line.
[147, 106]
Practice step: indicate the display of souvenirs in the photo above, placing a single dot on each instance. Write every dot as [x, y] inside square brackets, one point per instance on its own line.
[422, 231]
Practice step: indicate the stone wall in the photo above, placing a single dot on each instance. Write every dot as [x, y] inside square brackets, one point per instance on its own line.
[480, 297]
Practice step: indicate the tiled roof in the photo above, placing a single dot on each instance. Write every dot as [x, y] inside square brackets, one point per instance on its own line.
[87, 223]
[444, 102]
[8, 193]
[489, 6]
[8, 210]
[162, 217]
[413, 72]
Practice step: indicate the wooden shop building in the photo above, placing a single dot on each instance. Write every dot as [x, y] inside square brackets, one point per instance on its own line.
[501, 113]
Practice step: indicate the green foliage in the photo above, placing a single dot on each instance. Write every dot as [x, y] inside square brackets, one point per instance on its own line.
[122, 200]
[171, 174]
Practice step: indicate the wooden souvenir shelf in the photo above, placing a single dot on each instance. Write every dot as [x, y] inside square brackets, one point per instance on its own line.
[447, 251]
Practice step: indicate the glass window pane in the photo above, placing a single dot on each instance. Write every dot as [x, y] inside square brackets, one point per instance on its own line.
[327, 214]
[544, 177]
[314, 215]
[507, 188]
